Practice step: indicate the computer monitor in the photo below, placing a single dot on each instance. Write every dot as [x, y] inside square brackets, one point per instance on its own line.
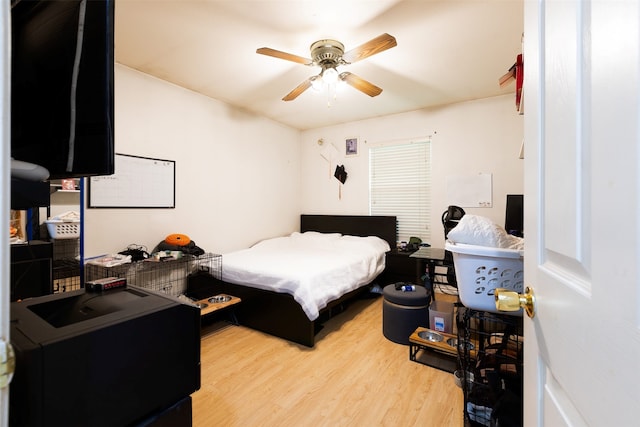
[514, 216]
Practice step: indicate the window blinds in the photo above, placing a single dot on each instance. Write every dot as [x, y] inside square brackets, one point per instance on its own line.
[400, 185]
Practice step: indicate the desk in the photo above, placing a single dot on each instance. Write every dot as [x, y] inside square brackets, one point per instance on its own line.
[427, 252]
[432, 258]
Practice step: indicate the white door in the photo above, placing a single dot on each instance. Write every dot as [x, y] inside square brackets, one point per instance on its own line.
[4, 191]
[582, 212]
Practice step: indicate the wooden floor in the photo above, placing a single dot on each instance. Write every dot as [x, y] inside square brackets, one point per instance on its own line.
[353, 376]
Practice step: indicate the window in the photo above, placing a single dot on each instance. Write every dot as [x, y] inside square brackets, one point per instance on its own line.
[400, 185]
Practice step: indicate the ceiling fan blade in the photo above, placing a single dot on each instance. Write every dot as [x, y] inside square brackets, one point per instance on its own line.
[361, 84]
[284, 55]
[298, 90]
[377, 45]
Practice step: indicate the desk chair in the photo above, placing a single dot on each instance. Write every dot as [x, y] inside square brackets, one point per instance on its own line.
[450, 218]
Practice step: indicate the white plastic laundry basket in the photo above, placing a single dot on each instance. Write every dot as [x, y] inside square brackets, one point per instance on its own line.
[63, 229]
[480, 270]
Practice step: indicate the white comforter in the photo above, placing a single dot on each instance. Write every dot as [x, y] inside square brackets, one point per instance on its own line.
[315, 268]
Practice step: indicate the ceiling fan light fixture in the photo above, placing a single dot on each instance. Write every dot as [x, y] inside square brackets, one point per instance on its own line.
[316, 83]
[330, 75]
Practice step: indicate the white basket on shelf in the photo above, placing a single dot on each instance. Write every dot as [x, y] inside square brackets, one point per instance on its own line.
[60, 229]
[481, 269]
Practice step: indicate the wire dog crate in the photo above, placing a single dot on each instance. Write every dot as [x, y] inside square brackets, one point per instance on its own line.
[169, 277]
[491, 363]
[66, 265]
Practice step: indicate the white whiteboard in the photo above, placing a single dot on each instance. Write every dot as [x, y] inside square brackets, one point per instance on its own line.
[138, 182]
[470, 191]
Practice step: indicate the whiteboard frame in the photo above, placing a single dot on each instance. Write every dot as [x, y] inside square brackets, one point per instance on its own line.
[97, 199]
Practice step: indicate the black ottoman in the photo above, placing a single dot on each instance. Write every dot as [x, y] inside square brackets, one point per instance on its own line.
[403, 312]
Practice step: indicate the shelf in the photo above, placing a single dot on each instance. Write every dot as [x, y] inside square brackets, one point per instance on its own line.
[54, 189]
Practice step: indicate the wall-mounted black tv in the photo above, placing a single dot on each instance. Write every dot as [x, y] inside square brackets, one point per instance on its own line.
[62, 85]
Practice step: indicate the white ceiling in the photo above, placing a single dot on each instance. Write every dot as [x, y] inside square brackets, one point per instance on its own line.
[448, 51]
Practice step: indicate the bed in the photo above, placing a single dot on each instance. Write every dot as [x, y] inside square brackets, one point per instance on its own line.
[273, 305]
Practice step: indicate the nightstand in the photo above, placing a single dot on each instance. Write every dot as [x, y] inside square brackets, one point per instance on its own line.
[400, 267]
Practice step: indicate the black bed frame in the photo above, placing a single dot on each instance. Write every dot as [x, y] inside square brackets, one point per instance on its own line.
[279, 314]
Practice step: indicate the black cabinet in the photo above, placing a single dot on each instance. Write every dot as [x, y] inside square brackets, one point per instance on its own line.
[124, 357]
[31, 269]
[28, 194]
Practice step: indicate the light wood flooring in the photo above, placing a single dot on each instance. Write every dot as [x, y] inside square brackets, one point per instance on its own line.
[353, 376]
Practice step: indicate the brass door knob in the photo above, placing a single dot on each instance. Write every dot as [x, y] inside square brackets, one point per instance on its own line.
[508, 300]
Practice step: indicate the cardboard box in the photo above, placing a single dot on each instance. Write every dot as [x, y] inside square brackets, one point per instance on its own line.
[441, 316]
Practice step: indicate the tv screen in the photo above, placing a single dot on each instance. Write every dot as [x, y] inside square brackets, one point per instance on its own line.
[62, 65]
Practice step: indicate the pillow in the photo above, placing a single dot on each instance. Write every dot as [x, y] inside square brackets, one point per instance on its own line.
[481, 231]
[374, 242]
[315, 235]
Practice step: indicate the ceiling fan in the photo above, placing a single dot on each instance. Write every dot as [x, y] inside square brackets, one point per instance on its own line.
[328, 55]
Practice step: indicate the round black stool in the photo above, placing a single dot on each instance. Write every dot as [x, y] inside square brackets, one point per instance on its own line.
[403, 312]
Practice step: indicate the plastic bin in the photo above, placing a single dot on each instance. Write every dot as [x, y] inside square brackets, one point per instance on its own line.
[481, 269]
[59, 229]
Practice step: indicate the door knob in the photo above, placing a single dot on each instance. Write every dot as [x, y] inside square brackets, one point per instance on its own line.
[508, 300]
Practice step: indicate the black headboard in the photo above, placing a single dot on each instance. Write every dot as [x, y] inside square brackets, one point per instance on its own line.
[355, 225]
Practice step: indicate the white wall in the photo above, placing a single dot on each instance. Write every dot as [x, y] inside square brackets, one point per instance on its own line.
[242, 178]
[237, 174]
[482, 136]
